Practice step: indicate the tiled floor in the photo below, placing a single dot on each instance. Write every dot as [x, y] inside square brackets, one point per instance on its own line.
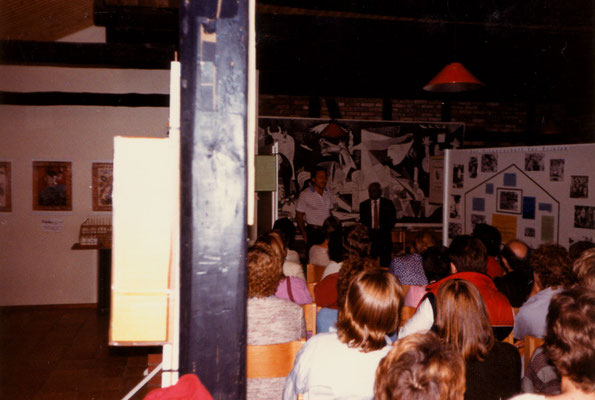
[62, 353]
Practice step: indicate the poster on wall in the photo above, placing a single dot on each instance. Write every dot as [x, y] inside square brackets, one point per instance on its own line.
[103, 179]
[398, 155]
[52, 186]
[541, 194]
[5, 190]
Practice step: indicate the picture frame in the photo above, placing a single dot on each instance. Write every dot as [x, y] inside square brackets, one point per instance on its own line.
[509, 201]
[103, 179]
[52, 186]
[5, 187]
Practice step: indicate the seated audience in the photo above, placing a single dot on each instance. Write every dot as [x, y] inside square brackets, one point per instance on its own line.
[319, 254]
[270, 319]
[420, 367]
[436, 265]
[491, 239]
[327, 316]
[570, 344]
[468, 262]
[343, 364]
[409, 268]
[356, 245]
[492, 368]
[517, 282]
[551, 273]
[287, 230]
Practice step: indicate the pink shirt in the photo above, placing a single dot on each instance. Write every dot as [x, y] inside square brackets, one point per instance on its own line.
[298, 289]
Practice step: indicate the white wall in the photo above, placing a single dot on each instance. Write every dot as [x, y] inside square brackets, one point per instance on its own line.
[38, 267]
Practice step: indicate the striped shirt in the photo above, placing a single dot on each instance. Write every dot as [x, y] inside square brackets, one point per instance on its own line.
[317, 208]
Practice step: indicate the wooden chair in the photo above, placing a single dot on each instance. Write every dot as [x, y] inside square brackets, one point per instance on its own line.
[509, 338]
[271, 360]
[310, 311]
[406, 313]
[531, 343]
[314, 272]
[311, 286]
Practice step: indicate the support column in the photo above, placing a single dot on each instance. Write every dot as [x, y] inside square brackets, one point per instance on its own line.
[214, 57]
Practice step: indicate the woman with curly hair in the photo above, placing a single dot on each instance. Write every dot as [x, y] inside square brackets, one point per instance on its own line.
[343, 364]
[492, 368]
[270, 319]
[552, 272]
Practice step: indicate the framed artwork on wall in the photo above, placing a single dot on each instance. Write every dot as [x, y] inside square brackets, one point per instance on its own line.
[5, 191]
[52, 186]
[509, 201]
[103, 178]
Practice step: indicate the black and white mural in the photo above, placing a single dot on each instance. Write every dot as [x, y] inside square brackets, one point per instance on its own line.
[357, 153]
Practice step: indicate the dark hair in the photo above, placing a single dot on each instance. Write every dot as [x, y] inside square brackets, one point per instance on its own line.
[317, 169]
[436, 263]
[349, 269]
[571, 334]
[468, 254]
[287, 230]
[551, 264]
[514, 261]
[356, 241]
[334, 233]
[490, 237]
[577, 248]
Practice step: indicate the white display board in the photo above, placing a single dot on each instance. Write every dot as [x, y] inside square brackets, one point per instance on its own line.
[540, 194]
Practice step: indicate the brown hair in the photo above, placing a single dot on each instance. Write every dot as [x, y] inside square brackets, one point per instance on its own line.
[356, 241]
[462, 319]
[419, 367]
[584, 269]
[264, 271]
[424, 239]
[551, 264]
[371, 310]
[275, 241]
[349, 269]
[570, 338]
[468, 254]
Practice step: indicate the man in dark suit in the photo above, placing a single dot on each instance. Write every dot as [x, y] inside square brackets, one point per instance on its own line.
[378, 214]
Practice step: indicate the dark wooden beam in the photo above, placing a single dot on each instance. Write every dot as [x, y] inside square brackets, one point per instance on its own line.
[99, 55]
[214, 45]
[84, 99]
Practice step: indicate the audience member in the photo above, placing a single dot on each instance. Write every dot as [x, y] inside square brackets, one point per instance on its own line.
[584, 269]
[517, 283]
[491, 239]
[492, 368]
[570, 344]
[289, 268]
[319, 254]
[270, 319]
[409, 268]
[287, 230]
[468, 262]
[551, 273]
[343, 364]
[419, 367]
[578, 248]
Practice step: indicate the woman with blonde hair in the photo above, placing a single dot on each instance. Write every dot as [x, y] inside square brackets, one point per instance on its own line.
[492, 368]
[343, 364]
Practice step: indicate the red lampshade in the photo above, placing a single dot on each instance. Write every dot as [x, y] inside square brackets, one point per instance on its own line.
[453, 78]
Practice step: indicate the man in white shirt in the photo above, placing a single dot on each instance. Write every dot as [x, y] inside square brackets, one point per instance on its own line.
[313, 207]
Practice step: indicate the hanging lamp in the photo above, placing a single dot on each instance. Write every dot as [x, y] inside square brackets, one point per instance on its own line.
[454, 78]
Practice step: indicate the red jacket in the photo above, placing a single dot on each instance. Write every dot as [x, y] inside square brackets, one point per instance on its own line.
[325, 291]
[499, 309]
[494, 269]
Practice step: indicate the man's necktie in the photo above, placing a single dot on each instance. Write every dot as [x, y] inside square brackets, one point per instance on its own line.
[375, 219]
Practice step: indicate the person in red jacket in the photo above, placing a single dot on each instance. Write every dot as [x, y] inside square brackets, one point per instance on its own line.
[468, 262]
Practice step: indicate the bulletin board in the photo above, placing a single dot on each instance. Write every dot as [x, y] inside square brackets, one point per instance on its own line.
[540, 194]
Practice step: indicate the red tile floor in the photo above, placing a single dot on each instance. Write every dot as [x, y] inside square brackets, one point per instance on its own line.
[63, 353]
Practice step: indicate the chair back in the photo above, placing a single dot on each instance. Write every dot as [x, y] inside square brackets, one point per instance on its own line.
[311, 286]
[406, 313]
[314, 272]
[310, 317]
[531, 343]
[271, 360]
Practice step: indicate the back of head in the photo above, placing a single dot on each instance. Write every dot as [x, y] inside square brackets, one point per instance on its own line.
[577, 248]
[436, 263]
[551, 265]
[287, 230]
[490, 237]
[334, 234]
[462, 319]
[371, 310]
[570, 338]
[468, 254]
[420, 367]
[349, 269]
[264, 271]
[516, 253]
[356, 241]
[424, 239]
[584, 269]
[274, 240]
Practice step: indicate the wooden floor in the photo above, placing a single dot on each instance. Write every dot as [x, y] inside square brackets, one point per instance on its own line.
[62, 353]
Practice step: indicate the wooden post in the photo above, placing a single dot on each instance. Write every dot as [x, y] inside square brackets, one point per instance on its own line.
[214, 55]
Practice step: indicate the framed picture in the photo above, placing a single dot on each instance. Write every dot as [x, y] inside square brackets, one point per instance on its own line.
[5, 193]
[52, 186]
[103, 178]
[509, 201]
